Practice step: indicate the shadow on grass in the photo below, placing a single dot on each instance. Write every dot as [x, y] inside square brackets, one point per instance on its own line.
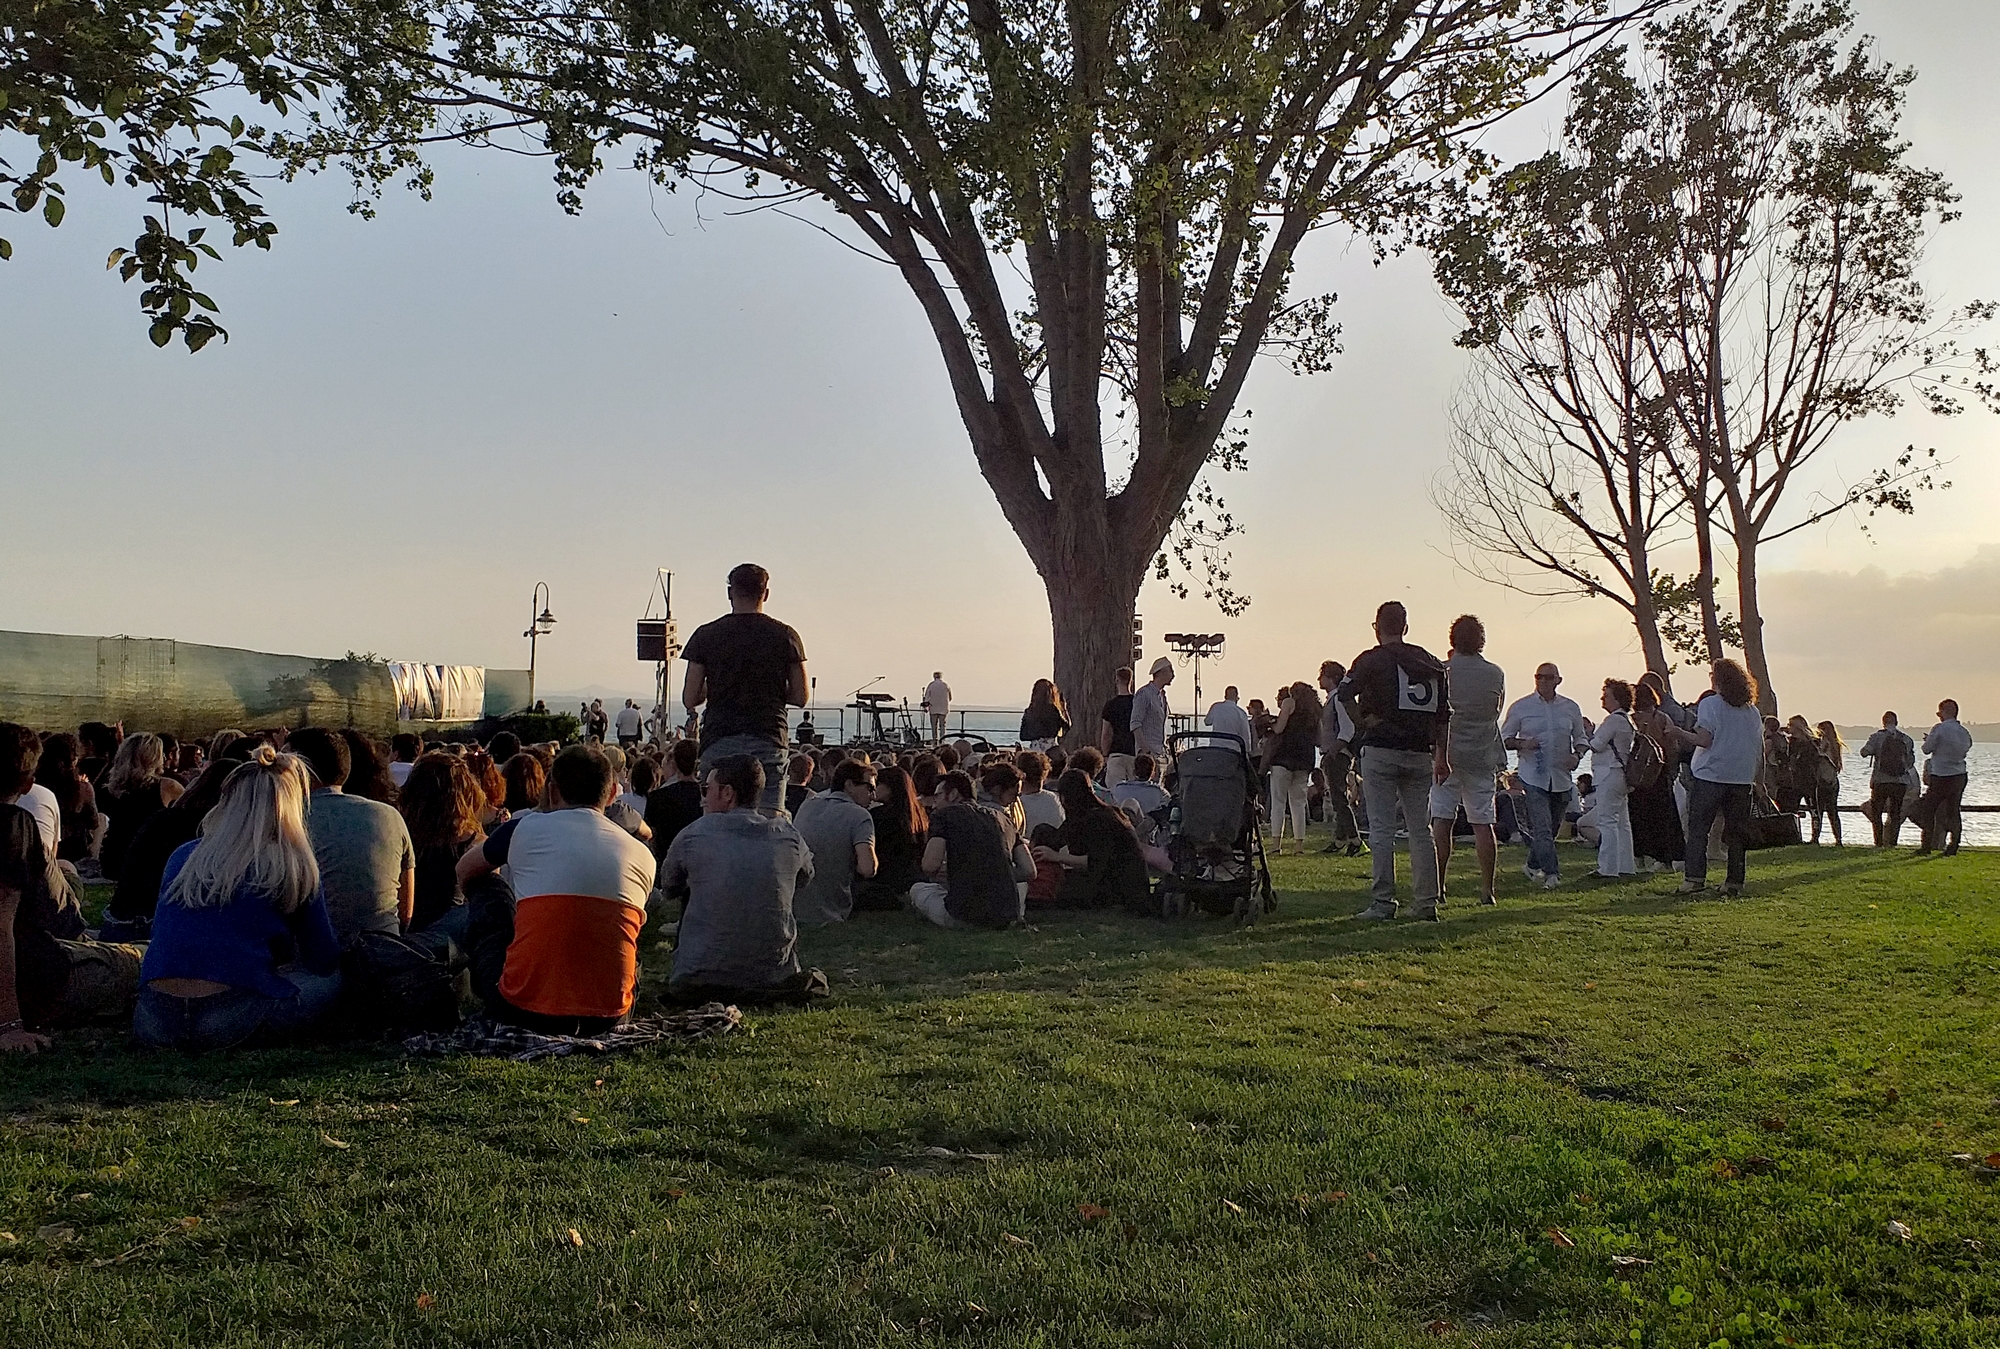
[896, 960]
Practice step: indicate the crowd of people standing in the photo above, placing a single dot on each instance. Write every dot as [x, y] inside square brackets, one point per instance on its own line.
[270, 885]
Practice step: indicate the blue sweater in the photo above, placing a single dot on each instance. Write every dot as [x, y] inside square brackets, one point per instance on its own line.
[242, 943]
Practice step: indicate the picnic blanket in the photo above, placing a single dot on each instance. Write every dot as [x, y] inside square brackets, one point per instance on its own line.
[484, 1038]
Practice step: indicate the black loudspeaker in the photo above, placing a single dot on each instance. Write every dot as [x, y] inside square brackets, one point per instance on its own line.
[653, 639]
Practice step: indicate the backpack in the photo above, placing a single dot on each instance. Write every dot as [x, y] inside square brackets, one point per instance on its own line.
[402, 981]
[1644, 764]
[1892, 756]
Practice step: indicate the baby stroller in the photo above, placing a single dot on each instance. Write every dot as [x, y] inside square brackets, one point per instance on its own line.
[1215, 836]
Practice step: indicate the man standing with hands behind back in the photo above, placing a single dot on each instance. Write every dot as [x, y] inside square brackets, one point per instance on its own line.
[747, 667]
[1547, 731]
[1398, 699]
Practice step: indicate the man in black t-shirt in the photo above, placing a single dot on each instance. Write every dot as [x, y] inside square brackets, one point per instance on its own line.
[977, 858]
[747, 667]
[1114, 737]
[675, 803]
[1396, 696]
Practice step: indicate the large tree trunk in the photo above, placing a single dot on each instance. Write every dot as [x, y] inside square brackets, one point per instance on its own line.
[1752, 620]
[1092, 617]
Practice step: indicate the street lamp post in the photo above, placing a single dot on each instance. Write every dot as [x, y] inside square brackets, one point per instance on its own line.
[538, 625]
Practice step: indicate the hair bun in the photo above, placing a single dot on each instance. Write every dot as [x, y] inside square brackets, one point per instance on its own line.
[264, 755]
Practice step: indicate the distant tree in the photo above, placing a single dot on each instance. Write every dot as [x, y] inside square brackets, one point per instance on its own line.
[1096, 203]
[124, 91]
[1749, 162]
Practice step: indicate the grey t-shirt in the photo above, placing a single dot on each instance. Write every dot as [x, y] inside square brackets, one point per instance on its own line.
[833, 826]
[1478, 692]
[363, 849]
[740, 870]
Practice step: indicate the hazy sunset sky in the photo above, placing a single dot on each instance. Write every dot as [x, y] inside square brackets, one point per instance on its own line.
[419, 417]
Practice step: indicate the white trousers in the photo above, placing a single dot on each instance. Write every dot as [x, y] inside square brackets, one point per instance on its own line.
[1289, 787]
[1614, 831]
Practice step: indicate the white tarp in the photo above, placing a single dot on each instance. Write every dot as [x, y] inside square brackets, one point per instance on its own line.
[438, 692]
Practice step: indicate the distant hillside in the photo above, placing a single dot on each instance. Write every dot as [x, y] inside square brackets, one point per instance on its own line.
[1983, 732]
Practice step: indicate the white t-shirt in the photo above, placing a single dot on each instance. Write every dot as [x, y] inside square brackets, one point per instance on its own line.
[41, 803]
[399, 772]
[1230, 719]
[938, 696]
[629, 722]
[1739, 741]
[1042, 807]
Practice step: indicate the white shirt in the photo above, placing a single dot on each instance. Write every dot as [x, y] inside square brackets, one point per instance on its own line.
[1230, 719]
[1737, 749]
[1556, 727]
[630, 720]
[938, 696]
[1948, 743]
[1042, 807]
[399, 772]
[41, 803]
[1150, 720]
[1609, 750]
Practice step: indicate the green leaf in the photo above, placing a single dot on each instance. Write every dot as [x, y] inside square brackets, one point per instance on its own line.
[162, 331]
[52, 209]
[1680, 1297]
[6, 250]
[117, 256]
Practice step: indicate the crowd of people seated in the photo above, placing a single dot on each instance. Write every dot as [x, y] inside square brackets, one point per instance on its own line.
[255, 876]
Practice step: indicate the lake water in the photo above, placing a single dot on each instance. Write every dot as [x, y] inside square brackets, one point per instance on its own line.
[1982, 788]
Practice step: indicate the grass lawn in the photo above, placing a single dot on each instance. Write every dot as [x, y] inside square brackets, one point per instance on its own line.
[1595, 1116]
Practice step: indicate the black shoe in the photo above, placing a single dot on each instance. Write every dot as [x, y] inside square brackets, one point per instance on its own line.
[1333, 847]
[1354, 848]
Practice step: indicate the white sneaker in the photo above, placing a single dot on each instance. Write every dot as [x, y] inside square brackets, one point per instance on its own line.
[1377, 912]
[1536, 876]
[1551, 882]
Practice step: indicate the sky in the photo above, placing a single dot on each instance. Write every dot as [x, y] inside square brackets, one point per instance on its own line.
[421, 416]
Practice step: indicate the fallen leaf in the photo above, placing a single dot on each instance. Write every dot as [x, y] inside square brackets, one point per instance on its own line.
[1758, 1166]
[1583, 1197]
[188, 1224]
[1891, 1096]
[1561, 1238]
[55, 1234]
[943, 1154]
[1900, 1231]
[331, 1141]
[1590, 987]
[575, 1237]
[1735, 1057]
[1131, 1231]
[676, 1194]
[1335, 1196]
[1013, 1240]
[1628, 1262]
[1371, 1257]
[975, 1307]
[886, 1172]
[581, 1119]
[82, 1197]
[275, 1101]
[1468, 1109]
[8, 1238]
[1440, 1328]
[1724, 1169]
[1090, 1213]
[1773, 1125]
[425, 1302]
[598, 1083]
[1232, 1206]
[1993, 1159]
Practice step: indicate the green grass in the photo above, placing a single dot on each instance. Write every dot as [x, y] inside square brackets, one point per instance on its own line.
[1310, 1132]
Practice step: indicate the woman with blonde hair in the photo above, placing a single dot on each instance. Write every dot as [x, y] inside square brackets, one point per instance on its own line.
[135, 789]
[1829, 759]
[243, 950]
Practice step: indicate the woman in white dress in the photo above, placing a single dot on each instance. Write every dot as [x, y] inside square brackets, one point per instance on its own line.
[1610, 749]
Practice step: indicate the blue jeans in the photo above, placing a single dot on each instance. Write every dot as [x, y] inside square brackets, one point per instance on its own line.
[770, 753]
[235, 1017]
[1545, 812]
